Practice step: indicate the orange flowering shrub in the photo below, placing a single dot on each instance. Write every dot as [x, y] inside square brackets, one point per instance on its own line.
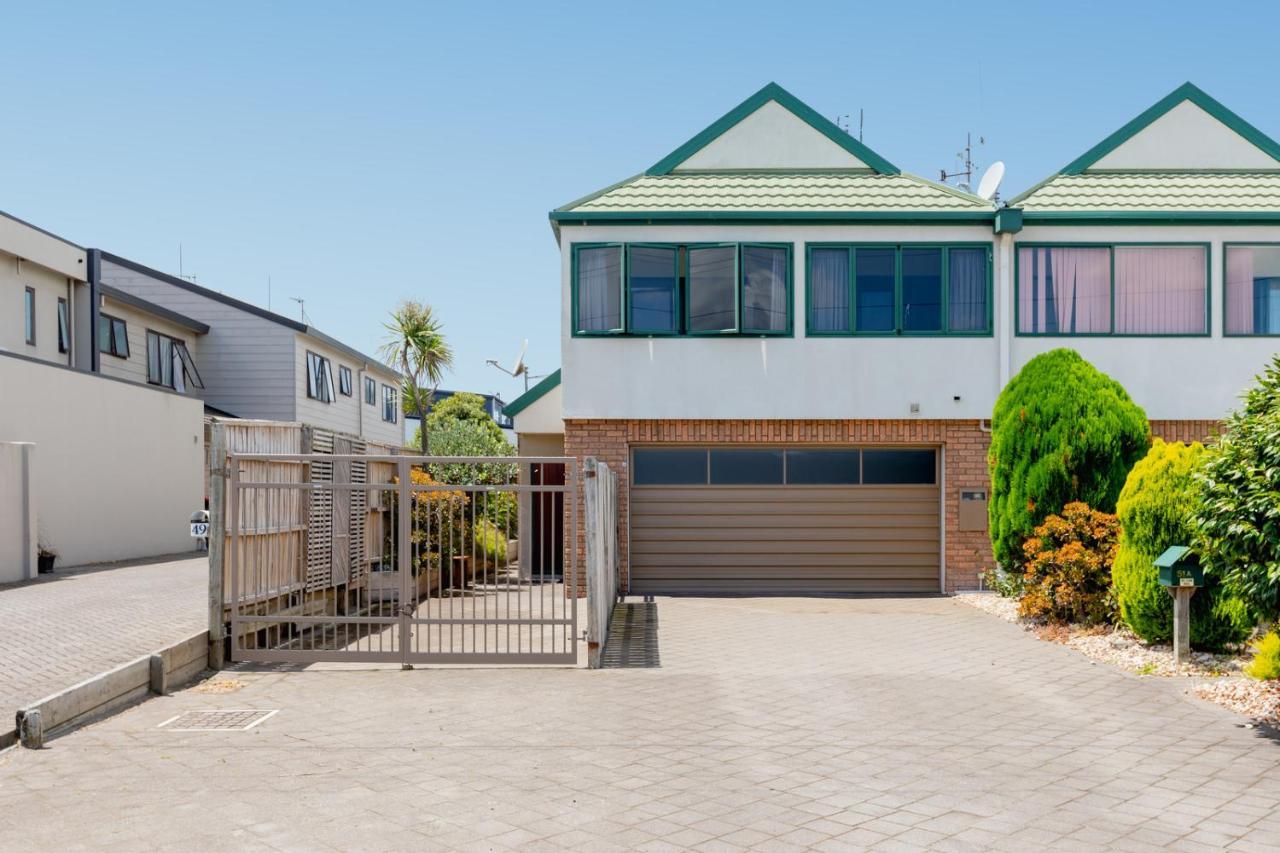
[1067, 573]
[440, 518]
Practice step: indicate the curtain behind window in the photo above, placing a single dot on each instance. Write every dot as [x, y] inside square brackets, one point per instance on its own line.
[967, 290]
[764, 289]
[1160, 290]
[829, 290]
[599, 290]
[1064, 290]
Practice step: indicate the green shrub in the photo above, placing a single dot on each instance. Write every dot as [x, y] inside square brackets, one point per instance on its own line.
[1237, 521]
[1061, 432]
[1155, 510]
[1067, 575]
[472, 437]
[1265, 665]
[491, 545]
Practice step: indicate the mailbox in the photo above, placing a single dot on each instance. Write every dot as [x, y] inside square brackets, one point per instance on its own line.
[973, 509]
[1179, 567]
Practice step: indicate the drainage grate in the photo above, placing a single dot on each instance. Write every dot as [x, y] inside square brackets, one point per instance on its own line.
[633, 637]
[239, 720]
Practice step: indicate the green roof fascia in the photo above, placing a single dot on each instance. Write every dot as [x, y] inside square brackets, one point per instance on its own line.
[1008, 220]
[1150, 217]
[757, 217]
[801, 110]
[533, 395]
[1185, 92]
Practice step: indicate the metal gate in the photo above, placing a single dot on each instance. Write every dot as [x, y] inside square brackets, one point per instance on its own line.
[421, 567]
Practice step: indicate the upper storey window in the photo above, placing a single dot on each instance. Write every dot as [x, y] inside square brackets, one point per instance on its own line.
[899, 290]
[1113, 289]
[1252, 290]
[682, 289]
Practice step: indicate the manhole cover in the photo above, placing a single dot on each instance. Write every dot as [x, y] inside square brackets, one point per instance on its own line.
[216, 721]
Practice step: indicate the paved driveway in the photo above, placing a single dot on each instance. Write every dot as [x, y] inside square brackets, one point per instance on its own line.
[777, 724]
[65, 627]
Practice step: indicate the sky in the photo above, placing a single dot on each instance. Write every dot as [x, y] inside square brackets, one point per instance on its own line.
[358, 154]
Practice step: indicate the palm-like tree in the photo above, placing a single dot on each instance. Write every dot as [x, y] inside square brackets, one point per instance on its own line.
[416, 346]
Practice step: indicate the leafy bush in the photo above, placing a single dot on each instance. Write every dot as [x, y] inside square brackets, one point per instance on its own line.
[469, 437]
[491, 544]
[1155, 510]
[1238, 519]
[1265, 665]
[462, 406]
[1067, 576]
[1061, 432]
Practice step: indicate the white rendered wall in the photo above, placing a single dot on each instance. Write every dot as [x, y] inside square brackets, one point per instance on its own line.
[121, 465]
[542, 415]
[18, 537]
[49, 286]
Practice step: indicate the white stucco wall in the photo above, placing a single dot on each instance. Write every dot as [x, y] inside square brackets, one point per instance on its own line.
[798, 377]
[120, 465]
[772, 137]
[1186, 137]
[17, 512]
[542, 415]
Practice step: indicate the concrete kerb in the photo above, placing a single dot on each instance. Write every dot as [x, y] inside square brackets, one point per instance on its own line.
[110, 691]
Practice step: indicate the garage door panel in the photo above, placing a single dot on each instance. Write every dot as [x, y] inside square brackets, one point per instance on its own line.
[799, 539]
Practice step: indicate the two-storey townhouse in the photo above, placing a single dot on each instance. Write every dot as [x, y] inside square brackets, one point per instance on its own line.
[44, 294]
[253, 363]
[790, 349]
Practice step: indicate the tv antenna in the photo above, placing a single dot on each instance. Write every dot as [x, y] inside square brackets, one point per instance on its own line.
[842, 122]
[968, 166]
[518, 369]
[302, 307]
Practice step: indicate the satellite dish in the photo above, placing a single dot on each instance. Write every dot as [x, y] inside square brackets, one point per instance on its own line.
[991, 180]
[520, 366]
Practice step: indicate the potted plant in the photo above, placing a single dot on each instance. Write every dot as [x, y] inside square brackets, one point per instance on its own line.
[44, 559]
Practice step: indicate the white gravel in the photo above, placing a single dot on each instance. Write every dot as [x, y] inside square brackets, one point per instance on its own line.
[1221, 681]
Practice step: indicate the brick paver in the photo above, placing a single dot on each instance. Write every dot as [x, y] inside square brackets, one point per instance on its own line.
[73, 624]
[776, 724]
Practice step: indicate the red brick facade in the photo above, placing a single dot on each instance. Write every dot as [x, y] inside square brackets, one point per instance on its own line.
[964, 444]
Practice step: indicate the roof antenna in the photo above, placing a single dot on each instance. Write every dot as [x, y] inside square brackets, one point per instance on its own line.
[302, 307]
[966, 161]
[191, 277]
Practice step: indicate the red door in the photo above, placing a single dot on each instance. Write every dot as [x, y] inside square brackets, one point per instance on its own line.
[546, 518]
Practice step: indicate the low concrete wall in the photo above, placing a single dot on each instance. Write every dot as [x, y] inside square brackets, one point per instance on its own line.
[120, 464]
[17, 512]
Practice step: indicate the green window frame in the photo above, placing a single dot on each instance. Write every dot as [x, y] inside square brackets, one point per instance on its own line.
[684, 322]
[1226, 296]
[1111, 247]
[898, 331]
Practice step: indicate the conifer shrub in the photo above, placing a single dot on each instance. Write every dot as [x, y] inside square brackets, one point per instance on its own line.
[1062, 431]
[1155, 509]
[1265, 665]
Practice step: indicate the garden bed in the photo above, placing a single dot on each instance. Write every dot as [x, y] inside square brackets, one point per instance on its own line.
[1219, 676]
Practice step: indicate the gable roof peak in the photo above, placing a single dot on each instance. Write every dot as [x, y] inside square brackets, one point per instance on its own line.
[772, 92]
[1187, 92]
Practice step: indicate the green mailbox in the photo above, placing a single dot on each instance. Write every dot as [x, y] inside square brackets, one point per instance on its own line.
[1178, 567]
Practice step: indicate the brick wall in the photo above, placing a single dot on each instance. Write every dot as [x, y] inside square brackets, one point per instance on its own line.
[968, 554]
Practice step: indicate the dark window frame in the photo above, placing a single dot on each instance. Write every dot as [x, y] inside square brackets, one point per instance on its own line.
[29, 315]
[64, 325]
[320, 378]
[371, 391]
[390, 403]
[117, 336]
[706, 450]
[178, 347]
[344, 380]
[898, 331]
[683, 324]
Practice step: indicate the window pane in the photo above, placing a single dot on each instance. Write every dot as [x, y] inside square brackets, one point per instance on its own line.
[29, 308]
[370, 392]
[166, 362]
[873, 287]
[712, 288]
[921, 290]
[600, 289]
[669, 467]
[312, 374]
[746, 467]
[967, 290]
[822, 467]
[153, 357]
[104, 334]
[1253, 290]
[188, 365]
[64, 326]
[898, 467]
[764, 289]
[119, 338]
[829, 291]
[1064, 290]
[653, 289]
[1160, 290]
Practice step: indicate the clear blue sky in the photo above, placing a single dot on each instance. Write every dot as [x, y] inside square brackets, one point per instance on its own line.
[360, 153]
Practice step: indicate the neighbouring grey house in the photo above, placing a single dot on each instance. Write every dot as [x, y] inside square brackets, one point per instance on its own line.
[239, 359]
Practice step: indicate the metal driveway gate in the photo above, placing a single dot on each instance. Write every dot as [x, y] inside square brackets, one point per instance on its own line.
[409, 559]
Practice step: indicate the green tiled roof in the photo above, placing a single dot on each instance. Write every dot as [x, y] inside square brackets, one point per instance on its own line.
[776, 192]
[1155, 192]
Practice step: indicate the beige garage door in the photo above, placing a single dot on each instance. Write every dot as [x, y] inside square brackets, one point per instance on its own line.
[784, 520]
